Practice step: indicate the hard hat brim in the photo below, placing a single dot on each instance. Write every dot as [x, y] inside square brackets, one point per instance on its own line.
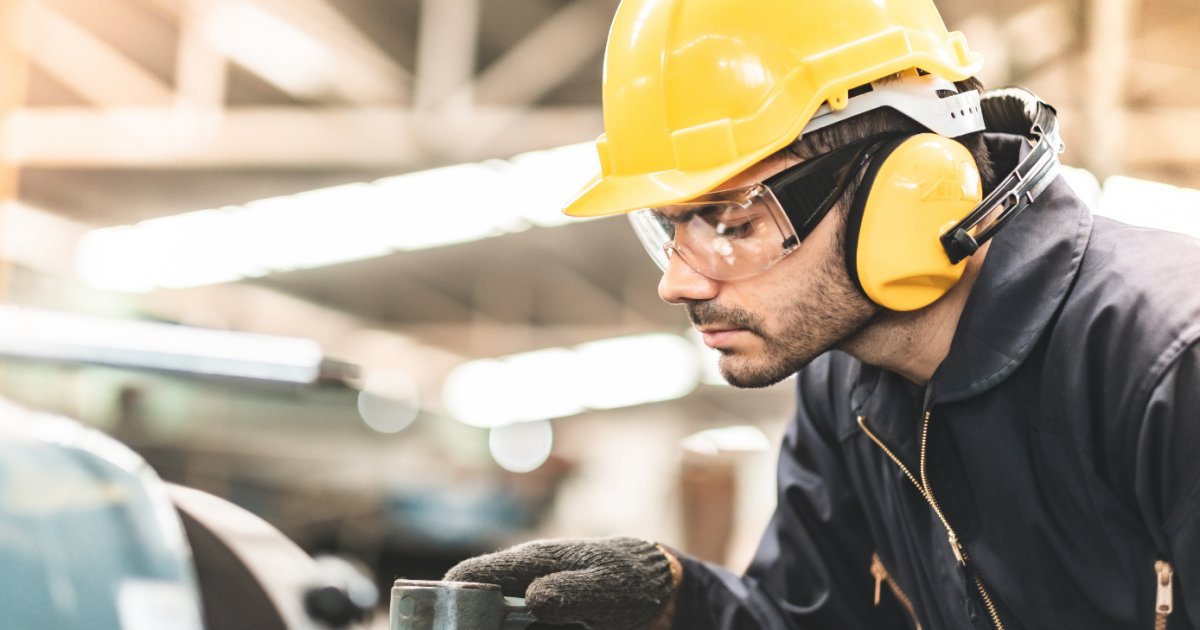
[618, 194]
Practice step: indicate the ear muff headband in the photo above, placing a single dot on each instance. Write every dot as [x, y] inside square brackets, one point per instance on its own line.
[915, 189]
[1006, 110]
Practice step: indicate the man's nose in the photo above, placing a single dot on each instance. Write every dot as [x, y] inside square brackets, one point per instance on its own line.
[681, 284]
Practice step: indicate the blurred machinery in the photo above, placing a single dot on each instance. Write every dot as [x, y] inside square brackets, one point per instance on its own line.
[90, 535]
[93, 539]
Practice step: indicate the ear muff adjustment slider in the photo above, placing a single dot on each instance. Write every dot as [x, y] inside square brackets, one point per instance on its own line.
[1022, 186]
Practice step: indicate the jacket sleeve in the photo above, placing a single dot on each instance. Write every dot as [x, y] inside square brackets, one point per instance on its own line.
[812, 568]
[1168, 478]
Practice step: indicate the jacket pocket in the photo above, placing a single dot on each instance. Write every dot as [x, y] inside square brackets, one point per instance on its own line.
[881, 576]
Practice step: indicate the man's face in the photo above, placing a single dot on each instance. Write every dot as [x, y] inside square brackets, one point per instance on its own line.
[769, 325]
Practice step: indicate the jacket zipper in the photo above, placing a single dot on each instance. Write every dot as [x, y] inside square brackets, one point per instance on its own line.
[1164, 602]
[881, 575]
[960, 553]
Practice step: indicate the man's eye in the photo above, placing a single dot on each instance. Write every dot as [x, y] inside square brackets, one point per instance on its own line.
[737, 230]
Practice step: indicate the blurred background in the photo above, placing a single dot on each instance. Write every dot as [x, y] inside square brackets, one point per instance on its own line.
[307, 255]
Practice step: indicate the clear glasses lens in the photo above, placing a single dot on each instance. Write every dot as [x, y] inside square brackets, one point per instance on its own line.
[654, 231]
[724, 235]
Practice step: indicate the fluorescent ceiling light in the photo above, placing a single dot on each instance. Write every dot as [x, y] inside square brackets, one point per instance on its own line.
[736, 439]
[561, 382]
[54, 336]
[1152, 205]
[37, 239]
[432, 208]
[271, 48]
[1138, 202]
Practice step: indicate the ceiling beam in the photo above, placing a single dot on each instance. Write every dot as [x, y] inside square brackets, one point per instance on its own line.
[550, 55]
[1152, 82]
[366, 75]
[536, 65]
[1163, 136]
[201, 72]
[446, 53]
[379, 137]
[89, 65]
[289, 137]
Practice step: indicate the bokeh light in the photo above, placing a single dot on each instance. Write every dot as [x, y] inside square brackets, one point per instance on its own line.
[522, 446]
[389, 401]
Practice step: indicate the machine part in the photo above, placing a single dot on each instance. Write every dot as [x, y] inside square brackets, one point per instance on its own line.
[251, 576]
[347, 593]
[90, 539]
[333, 606]
[430, 605]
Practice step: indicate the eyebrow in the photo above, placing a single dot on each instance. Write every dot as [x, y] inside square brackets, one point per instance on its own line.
[687, 215]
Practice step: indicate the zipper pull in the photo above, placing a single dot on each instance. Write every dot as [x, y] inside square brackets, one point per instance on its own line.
[880, 574]
[957, 549]
[1164, 603]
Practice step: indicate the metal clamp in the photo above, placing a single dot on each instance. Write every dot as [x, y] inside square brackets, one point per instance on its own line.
[425, 605]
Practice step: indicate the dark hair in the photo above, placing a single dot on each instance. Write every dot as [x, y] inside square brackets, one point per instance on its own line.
[885, 120]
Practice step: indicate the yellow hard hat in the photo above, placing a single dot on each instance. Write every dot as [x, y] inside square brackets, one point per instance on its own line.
[695, 91]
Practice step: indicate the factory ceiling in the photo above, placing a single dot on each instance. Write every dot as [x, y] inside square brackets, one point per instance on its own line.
[136, 109]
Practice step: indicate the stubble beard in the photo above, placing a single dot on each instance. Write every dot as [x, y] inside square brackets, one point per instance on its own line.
[830, 312]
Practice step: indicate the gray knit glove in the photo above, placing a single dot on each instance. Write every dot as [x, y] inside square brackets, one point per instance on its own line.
[605, 583]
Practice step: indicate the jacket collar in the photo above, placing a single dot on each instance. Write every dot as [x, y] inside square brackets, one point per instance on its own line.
[1030, 267]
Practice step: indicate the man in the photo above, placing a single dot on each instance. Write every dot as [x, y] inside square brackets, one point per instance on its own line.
[999, 399]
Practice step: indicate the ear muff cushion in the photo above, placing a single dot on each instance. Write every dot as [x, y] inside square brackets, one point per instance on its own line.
[858, 206]
[913, 191]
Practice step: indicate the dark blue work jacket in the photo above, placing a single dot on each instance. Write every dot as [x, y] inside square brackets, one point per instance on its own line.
[1062, 448]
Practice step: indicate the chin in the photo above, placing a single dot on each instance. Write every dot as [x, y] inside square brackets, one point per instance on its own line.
[754, 374]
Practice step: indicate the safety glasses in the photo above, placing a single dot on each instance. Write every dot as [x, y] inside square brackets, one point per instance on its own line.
[735, 233]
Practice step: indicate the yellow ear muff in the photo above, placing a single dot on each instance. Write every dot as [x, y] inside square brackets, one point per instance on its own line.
[914, 190]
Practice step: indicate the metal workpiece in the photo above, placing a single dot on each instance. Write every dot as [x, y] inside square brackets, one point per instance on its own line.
[427, 605]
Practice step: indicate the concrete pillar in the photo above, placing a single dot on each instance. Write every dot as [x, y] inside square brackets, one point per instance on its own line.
[1110, 26]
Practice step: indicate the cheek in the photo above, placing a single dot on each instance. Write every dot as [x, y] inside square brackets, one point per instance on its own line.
[796, 282]
[772, 295]
[796, 277]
